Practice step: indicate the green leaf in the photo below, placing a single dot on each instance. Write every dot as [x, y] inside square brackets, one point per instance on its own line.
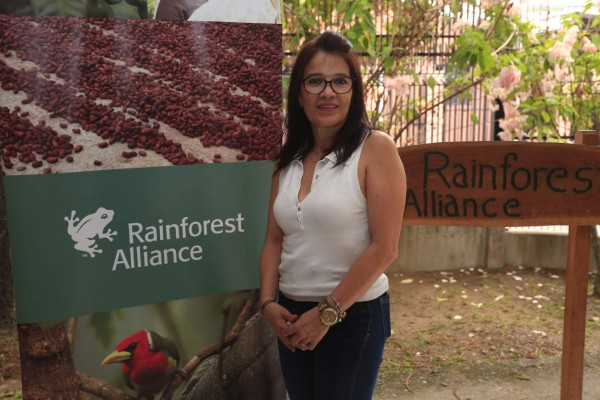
[474, 118]
[472, 49]
[389, 63]
[546, 116]
[486, 61]
[431, 82]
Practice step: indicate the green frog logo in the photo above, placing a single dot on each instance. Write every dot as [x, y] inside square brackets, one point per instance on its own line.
[85, 232]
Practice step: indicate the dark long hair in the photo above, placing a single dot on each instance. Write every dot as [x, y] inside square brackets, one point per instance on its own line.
[299, 138]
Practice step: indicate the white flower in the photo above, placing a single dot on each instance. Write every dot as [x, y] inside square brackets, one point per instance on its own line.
[509, 77]
[498, 92]
[547, 84]
[588, 46]
[505, 136]
[561, 74]
[510, 109]
[560, 51]
[571, 36]
[512, 121]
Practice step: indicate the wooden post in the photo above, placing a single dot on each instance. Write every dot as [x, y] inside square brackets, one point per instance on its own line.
[578, 263]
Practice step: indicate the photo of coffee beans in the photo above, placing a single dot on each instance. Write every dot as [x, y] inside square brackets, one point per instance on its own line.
[80, 94]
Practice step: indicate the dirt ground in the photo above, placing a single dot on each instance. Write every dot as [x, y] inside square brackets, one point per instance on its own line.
[472, 334]
[466, 334]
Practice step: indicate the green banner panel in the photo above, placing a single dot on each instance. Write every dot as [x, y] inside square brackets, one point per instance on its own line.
[87, 242]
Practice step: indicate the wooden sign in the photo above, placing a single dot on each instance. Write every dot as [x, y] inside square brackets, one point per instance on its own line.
[502, 184]
[516, 184]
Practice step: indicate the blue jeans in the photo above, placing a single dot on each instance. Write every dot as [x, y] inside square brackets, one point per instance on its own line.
[345, 364]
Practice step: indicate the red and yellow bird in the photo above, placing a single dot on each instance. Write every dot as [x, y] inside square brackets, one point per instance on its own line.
[148, 362]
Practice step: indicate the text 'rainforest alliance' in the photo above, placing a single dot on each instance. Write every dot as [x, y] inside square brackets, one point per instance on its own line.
[140, 236]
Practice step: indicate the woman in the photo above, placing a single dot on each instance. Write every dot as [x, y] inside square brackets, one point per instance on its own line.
[333, 227]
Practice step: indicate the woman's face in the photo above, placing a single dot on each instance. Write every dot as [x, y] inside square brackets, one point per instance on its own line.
[328, 110]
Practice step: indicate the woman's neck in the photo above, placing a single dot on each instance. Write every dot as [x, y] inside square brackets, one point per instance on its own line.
[323, 142]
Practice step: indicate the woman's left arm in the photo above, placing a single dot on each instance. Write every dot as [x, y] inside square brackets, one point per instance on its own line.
[385, 191]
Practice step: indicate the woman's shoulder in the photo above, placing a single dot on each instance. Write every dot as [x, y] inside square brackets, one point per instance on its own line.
[378, 141]
[381, 158]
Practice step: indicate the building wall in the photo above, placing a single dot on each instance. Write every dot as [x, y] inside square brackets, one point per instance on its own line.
[434, 248]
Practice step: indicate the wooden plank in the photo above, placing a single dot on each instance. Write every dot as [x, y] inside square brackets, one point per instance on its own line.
[502, 184]
[578, 264]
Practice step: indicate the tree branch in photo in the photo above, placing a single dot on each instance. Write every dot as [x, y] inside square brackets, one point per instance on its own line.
[217, 348]
[101, 389]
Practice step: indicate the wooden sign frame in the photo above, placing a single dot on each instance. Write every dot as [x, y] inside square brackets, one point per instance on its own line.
[517, 184]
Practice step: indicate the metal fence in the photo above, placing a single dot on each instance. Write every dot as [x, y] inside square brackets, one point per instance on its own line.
[458, 119]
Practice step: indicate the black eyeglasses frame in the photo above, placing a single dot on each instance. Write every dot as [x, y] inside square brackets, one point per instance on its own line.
[328, 82]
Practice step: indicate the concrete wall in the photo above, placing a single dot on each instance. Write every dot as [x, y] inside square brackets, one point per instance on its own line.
[433, 248]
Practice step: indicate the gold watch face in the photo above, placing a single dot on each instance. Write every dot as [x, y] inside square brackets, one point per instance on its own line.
[329, 316]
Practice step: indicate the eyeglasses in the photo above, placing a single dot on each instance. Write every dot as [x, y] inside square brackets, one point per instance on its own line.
[317, 85]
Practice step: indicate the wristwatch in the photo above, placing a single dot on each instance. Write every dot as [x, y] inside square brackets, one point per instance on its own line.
[329, 315]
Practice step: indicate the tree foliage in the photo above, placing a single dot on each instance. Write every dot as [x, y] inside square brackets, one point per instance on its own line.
[547, 81]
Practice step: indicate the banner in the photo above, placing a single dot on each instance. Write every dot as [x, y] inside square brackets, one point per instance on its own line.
[135, 152]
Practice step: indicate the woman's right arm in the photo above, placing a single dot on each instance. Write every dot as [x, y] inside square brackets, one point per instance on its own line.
[277, 316]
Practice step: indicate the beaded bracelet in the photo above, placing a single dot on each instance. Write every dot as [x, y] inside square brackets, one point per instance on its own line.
[338, 307]
[266, 303]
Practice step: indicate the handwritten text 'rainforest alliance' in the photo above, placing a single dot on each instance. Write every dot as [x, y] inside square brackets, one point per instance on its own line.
[141, 256]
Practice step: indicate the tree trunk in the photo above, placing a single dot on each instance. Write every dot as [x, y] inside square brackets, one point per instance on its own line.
[47, 370]
[7, 305]
[596, 253]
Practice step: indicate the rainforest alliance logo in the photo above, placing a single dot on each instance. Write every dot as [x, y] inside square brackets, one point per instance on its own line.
[145, 240]
[85, 232]
[145, 248]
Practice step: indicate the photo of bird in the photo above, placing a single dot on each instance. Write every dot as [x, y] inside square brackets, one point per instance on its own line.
[148, 361]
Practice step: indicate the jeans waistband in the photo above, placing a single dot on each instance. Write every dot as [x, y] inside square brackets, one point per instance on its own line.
[375, 300]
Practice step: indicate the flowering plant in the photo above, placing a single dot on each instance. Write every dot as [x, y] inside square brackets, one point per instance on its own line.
[547, 82]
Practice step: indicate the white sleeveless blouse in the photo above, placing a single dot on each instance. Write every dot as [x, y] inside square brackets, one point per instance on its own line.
[326, 232]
